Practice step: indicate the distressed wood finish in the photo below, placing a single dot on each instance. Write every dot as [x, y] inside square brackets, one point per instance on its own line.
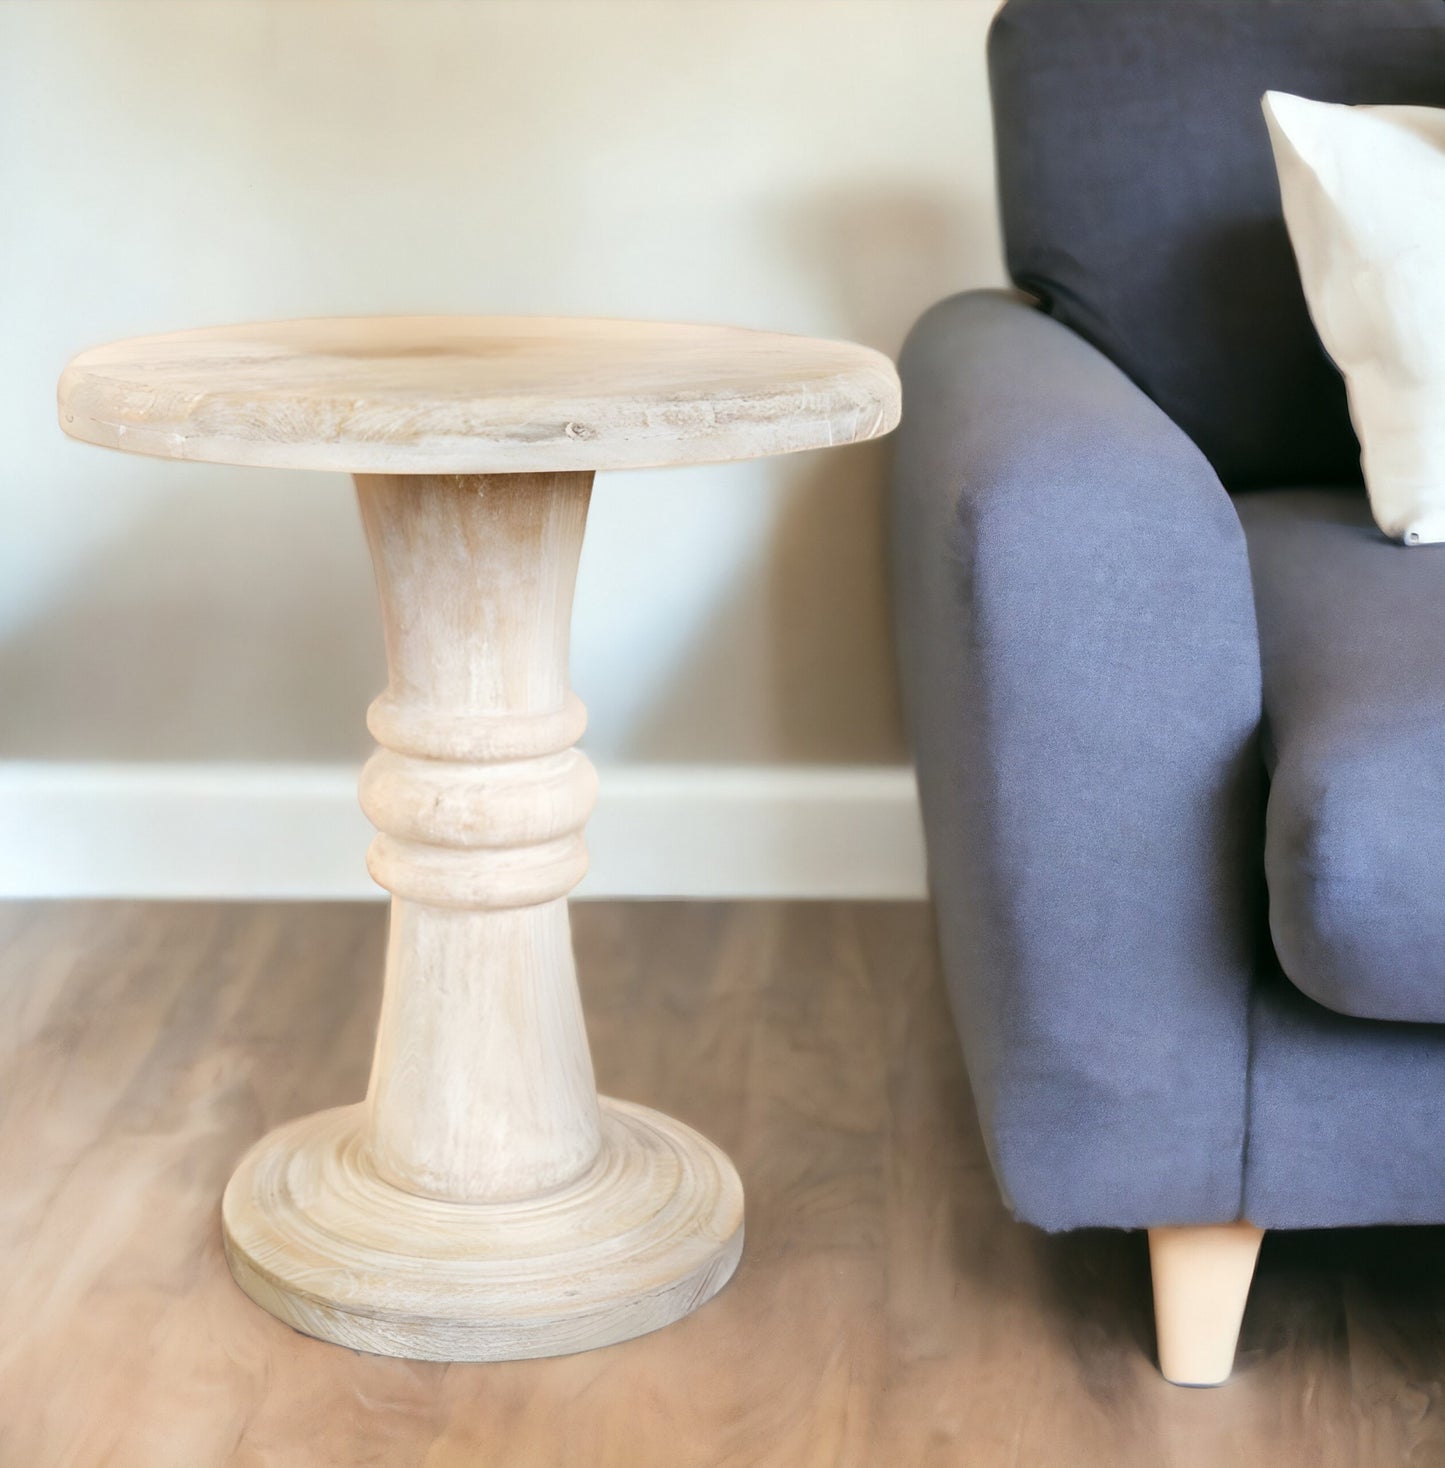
[482, 1086]
[482, 1203]
[318, 1237]
[475, 395]
[887, 1309]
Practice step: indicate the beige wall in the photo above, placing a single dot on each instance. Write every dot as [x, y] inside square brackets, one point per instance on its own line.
[818, 166]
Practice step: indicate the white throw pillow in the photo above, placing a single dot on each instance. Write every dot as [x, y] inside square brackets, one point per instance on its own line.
[1364, 201]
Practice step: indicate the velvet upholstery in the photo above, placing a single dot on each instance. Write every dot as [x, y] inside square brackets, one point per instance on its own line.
[1140, 200]
[1350, 628]
[1080, 665]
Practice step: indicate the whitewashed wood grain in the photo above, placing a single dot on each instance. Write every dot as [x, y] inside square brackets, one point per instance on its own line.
[481, 1204]
[642, 1237]
[460, 394]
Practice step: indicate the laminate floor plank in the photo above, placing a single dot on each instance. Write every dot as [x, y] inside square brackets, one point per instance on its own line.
[887, 1311]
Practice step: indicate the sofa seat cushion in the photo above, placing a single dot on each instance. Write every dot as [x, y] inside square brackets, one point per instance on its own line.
[1352, 646]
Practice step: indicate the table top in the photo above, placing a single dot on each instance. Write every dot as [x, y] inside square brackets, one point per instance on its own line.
[475, 394]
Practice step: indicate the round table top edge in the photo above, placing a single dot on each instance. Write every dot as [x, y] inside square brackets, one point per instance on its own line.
[473, 456]
[852, 398]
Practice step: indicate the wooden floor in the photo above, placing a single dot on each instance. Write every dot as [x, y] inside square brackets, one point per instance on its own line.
[887, 1311]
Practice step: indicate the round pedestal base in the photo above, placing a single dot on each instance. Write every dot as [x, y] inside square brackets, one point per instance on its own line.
[649, 1232]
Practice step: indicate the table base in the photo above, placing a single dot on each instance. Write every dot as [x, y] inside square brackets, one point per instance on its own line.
[314, 1236]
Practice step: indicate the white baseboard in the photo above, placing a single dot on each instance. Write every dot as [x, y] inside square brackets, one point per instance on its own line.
[295, 831]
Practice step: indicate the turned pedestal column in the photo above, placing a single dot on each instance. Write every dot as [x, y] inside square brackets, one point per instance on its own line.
[481, 1089]
[482, 1202]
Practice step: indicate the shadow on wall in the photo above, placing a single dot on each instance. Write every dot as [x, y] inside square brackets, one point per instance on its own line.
[241, 643]
[881, 257]
[243, 639]
[809, 616]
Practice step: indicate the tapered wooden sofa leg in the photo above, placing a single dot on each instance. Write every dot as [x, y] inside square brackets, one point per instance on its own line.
[1201, 1281]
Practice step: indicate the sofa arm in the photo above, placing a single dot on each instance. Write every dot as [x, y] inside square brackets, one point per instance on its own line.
[1081, 679]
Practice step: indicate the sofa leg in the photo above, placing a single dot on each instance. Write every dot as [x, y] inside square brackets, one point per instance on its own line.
[1201, 1281]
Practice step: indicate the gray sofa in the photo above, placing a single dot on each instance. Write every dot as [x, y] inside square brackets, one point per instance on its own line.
[1177, 708]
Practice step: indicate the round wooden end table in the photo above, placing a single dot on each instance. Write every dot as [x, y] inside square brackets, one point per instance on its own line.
[482, 1202]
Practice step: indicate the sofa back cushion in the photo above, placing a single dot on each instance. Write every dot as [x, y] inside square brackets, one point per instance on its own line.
[1140, 202]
